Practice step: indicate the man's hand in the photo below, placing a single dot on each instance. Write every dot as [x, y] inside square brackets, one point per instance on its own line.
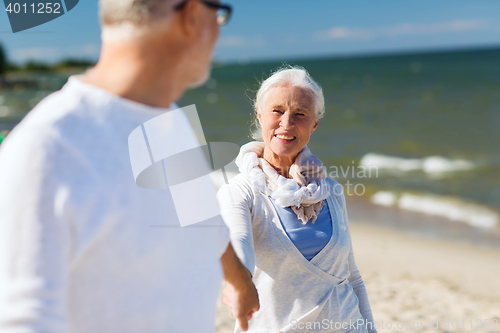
[240, 295]
[239, 302]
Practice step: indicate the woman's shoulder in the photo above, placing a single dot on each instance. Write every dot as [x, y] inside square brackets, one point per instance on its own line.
[336, 189]
[238, 184]
[334, 185]
[239, 181]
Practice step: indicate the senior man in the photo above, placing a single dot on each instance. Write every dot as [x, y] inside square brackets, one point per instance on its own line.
[77, 253]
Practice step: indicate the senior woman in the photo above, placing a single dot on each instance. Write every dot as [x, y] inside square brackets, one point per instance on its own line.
[288, 221]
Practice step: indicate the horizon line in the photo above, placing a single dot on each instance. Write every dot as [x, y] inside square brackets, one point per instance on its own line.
[355, 55]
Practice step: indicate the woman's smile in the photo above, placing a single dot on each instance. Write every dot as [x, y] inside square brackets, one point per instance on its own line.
[285, 137]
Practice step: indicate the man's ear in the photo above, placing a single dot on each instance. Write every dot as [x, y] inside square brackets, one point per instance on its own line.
[190, 18]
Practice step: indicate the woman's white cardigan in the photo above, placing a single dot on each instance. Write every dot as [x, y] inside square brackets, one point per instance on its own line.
[325, 294]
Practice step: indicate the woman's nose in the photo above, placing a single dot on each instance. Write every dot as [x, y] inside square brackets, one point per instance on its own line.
[286, 121]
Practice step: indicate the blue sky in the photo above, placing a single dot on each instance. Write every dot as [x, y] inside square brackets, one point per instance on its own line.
[288, 29]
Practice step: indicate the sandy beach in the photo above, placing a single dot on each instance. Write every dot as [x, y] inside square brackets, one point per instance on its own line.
[425, 283]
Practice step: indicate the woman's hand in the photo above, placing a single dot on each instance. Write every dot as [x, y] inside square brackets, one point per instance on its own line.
[240, 294]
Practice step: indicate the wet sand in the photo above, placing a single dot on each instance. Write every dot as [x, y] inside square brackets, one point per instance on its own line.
[411, 279]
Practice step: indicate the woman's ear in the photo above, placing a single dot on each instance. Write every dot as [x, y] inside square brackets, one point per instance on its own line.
[315, 126]
[259, 116]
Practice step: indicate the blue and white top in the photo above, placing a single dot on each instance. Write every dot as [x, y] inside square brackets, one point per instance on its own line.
[296, 293]
[308, 238]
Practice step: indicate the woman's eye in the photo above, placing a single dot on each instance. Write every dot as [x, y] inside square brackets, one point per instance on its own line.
[277, 111]
[300, 114]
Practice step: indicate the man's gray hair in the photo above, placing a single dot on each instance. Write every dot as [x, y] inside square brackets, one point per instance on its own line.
[133, 12]
[293, 76]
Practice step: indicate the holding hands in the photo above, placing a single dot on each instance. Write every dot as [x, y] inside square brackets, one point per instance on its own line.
[240, 294]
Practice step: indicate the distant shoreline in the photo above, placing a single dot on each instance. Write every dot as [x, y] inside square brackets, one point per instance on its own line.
[357, 56]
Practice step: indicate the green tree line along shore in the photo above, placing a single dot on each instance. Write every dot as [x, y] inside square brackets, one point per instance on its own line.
[37, 66]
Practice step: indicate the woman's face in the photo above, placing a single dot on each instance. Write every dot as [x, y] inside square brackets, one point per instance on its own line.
[287, 120]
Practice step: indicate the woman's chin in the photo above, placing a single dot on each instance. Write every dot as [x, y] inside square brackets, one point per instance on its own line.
[285, 150]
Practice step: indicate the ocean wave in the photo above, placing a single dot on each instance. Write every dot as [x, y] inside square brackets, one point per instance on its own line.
[451, 208]
[430, 164]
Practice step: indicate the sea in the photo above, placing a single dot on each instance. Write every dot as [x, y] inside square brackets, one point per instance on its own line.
[415, 132]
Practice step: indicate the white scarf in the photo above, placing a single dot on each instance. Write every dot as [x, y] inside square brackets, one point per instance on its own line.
[304, 192]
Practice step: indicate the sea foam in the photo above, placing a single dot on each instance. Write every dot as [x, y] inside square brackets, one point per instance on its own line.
[430, 164]
[451, 208]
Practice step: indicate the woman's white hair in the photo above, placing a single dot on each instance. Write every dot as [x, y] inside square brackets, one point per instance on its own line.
[125, 19]
[294, 76]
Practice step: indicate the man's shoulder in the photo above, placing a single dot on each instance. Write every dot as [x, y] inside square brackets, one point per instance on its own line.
[53, 110]
[51, 131]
